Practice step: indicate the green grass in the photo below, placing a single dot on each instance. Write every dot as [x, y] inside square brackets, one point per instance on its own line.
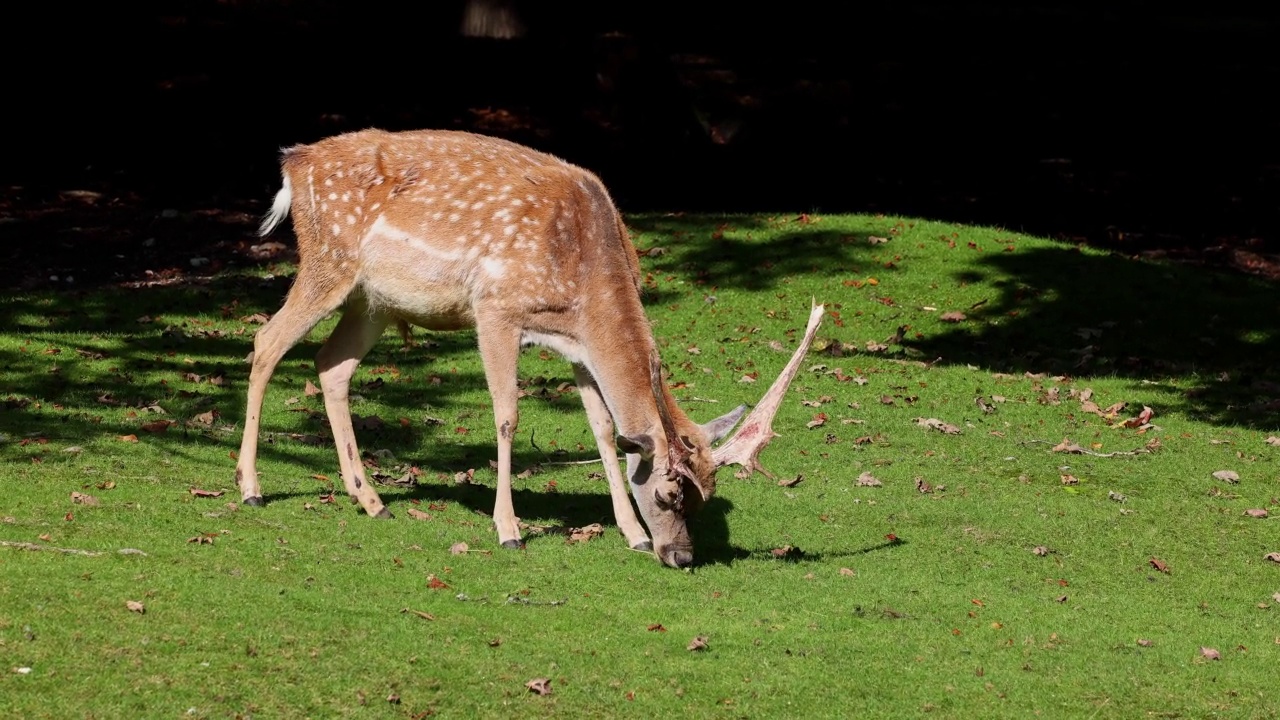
[295, 609]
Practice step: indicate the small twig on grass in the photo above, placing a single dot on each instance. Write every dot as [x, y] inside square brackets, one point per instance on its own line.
[1145, 450]
[549, 461]
[65, 551]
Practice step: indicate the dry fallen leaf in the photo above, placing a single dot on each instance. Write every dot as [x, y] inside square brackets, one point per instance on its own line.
[1227, 476]
[419, 613]
[938, 425]
[417, 514]
[310, 390]
[696, 644]
[954, 316]
[866, 479]
[205, 493]
[847, 572]
[158, 426]
[436, 583]
[1070, 480]
[1068, 447]
[585, 534]
[1143, 418]
[1040, 550]
[1210, 654]
[539, 686]
[129, 438]
[458, 548]
[923, 486]
[1159, 564]
[818, 420]
[1256, 513]
[1145, 643]
[82, 499]
[1273, 441]
[656, 627]
[135, 606]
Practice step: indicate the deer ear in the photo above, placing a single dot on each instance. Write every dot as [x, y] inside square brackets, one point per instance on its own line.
[638, 445]
[721, 426]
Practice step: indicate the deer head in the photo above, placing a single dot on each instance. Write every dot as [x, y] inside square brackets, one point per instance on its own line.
[673, 473]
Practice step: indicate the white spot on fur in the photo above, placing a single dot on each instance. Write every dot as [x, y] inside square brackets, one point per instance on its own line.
[493, 267]
[509, 230]
[337, 229]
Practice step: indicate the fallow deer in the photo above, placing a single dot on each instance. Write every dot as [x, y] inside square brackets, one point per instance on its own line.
[449, 230]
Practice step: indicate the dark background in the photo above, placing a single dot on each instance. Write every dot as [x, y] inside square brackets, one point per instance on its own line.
[1130, 125]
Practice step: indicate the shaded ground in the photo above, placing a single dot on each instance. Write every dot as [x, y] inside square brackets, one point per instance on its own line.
[1135, 127]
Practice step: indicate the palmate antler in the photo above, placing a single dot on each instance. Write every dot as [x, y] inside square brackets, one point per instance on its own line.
[744, 447]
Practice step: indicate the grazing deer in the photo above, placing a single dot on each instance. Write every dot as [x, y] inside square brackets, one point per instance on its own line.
[449, 230]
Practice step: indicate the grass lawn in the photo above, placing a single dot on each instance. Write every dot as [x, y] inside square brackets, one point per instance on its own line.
[973, 515]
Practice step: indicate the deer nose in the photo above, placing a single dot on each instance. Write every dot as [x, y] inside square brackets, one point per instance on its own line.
[678, 558]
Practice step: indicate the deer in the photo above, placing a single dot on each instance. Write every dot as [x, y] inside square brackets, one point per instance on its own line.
[449, 230]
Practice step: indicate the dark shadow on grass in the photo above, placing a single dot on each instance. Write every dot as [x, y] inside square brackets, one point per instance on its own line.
[713, 250]
[1065, 312]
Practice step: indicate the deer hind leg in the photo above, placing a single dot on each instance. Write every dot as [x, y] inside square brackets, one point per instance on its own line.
[602, 428]
[356, 333]
[500, 350]
[308, 303]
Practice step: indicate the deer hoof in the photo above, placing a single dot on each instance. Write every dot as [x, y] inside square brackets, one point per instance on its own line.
[255, 501]
[385, 514]
[646, 546]
[512, 544]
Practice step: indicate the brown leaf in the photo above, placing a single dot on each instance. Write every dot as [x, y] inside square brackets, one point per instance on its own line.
[818, 420]
[938, 425]
[1210, 654]
[866, 479]
[436, 583]
[419, 613]
[205, 539]
[1145, 643]
[1256, 513]
[1060, 598]
[954, 316]
[82, 499]
[256, 319]
[1040, 550]
[458, 548]
[539, 686]
[656, 627]
[1070, 480]
[310, 390]
[205, 493]
[135, 606]
[1273, 441]
[1227, 476]
[158, 426]
[585, 534]
[1068, 447]
[697, 644]
[790, 483]
[923, 486]
[1159, 564]
[417, 514]
[1143, 418]
[129, 438]
[786, 551]
[847, 572]
[205, 418]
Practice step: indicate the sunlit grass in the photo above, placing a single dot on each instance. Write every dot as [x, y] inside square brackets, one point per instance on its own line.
[825, 598]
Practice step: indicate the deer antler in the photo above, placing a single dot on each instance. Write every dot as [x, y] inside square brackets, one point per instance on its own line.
[676, 449]
[744, 447]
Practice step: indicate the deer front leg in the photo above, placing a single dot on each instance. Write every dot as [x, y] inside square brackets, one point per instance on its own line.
[602, 428]
[500, 349]
[356, 334]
